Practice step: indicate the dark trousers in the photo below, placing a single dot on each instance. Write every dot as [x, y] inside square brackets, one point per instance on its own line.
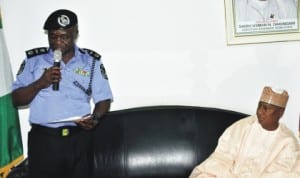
[53, 154]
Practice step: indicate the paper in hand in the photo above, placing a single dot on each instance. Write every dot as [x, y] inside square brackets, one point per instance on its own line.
[72, 119]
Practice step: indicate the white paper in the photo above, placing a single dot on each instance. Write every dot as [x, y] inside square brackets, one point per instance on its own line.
[71, 119]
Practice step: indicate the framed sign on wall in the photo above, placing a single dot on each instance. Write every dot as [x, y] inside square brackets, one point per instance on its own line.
[261, 21]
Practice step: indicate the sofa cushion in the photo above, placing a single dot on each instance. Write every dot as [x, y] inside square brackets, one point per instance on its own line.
[159, 141]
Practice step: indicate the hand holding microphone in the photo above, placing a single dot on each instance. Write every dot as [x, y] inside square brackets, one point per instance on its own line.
[57, 56]
[52, 75]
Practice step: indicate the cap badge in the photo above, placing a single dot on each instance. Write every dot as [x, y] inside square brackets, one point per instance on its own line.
[63, 20]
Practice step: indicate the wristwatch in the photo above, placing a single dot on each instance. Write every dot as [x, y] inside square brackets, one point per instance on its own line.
[96, 117]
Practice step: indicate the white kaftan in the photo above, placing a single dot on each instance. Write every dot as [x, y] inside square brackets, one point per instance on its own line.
[246, 150]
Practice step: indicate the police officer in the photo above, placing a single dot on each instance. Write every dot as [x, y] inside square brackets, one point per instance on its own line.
[56, 148]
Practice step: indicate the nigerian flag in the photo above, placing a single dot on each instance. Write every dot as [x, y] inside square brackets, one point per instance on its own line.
[11, 148]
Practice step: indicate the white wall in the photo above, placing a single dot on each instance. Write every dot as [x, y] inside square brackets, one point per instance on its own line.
[161, 52]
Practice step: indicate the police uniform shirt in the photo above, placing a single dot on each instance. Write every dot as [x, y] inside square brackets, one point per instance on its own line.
[69, 100]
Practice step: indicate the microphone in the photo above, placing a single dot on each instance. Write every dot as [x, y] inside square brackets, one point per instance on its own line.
[57, 55]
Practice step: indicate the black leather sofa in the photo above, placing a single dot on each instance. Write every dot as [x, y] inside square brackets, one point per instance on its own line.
[154, 142]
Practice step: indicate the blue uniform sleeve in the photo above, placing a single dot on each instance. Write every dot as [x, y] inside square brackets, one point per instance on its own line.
[24, 76]
[100, 87]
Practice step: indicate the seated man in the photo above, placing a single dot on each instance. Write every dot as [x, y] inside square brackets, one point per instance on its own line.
[256, 147]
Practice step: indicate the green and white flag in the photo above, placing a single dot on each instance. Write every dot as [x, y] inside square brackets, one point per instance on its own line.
[11, 148]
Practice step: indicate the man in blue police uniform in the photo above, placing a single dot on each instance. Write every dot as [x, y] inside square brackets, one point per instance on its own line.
[61, 149]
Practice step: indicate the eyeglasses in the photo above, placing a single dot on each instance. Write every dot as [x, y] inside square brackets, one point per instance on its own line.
[63, 37]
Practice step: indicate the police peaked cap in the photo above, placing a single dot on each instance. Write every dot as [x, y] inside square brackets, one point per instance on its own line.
[60, 19]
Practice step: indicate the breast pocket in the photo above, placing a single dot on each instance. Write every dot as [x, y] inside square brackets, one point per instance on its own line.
[80, 78]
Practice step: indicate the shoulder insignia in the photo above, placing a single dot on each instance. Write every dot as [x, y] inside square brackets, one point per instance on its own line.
[21, 68]
[92, 53]
[103, 72]
[36, 51]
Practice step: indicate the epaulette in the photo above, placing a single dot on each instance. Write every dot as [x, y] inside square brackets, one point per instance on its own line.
[36, 51]
[92, 53]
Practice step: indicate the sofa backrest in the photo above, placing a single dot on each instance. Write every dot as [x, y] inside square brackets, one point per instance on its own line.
[157, 142]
